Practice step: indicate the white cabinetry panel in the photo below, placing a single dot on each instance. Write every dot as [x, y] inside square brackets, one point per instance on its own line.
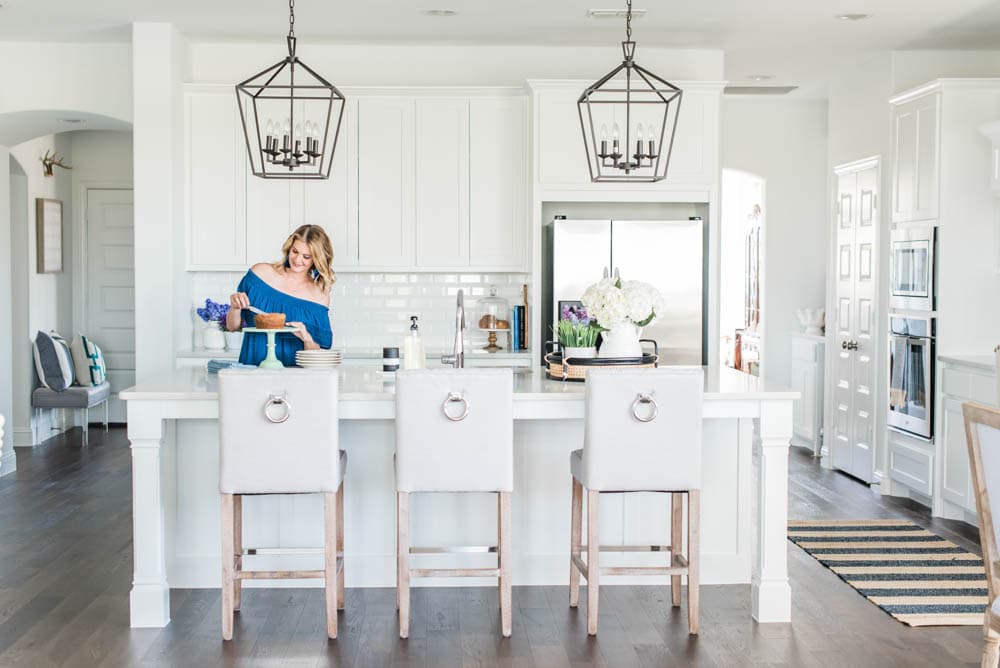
[385, 182]
[216, 180]
[269, 214]
[442, 182]
[333, 203]
[498, 182]
[807, 377]
[916, 162]
[956, 481]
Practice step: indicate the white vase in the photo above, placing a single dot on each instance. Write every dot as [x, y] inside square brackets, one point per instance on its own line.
[569, 352]
[214, 338]
[234, 340]
[622, 340]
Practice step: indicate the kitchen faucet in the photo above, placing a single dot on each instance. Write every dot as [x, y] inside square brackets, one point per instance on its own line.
[457, 358]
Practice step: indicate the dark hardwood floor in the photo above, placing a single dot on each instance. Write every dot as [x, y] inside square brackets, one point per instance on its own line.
[65, 571]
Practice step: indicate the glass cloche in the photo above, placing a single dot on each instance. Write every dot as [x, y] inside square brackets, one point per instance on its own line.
[493, 315]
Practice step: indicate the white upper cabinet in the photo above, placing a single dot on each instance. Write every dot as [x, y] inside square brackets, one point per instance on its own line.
[441, 177]
[561, 160]
[498, 175]
[333, 203]
[916, 158]
[215, 157]
[269, 217]
[386, 235]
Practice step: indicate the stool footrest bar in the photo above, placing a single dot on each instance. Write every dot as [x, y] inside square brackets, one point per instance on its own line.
[643, 570]
[631, 548]
[455, 572]
[278, 575]
[455, 549]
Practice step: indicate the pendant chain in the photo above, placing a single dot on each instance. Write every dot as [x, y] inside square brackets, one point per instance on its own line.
[628, 22]
[291, 18]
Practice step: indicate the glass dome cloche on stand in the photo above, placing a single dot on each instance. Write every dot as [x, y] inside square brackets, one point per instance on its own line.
[493, 315]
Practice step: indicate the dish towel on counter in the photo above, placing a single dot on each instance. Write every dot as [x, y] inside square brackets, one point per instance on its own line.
[215, 366]
[316, 318]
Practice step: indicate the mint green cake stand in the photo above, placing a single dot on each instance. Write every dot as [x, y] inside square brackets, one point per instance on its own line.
[271, 361]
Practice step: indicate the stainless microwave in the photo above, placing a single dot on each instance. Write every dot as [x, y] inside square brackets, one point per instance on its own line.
[911, 278]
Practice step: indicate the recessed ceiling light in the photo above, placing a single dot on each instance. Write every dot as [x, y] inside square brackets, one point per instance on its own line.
[440, 12]
[853, 17]
[72, 121]
[614, 13]
[760, 77]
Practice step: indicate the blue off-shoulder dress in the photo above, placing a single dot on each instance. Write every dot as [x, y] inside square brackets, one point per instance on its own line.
[316, 318]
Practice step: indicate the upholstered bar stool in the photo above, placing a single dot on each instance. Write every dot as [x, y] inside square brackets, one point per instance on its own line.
[642, 433]
[278, 435]
[454, 433]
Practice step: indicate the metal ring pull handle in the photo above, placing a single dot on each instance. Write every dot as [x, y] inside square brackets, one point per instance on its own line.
[455, 398]
[275, 400]
[645, 399]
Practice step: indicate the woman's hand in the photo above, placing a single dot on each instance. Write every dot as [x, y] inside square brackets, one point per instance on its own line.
[239, 300]
[303, 334]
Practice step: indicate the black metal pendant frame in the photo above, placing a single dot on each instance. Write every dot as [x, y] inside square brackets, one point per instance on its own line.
[296, 155]
[650, 159]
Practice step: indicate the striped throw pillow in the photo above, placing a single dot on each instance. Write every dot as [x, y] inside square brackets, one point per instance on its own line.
[89, 361]
[53, 361]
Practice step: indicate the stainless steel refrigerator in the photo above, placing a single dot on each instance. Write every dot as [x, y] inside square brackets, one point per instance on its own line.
[668, 254]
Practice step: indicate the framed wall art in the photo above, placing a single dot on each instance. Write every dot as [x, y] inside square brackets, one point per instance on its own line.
[49, 233]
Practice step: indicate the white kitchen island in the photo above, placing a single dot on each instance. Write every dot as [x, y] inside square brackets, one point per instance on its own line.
[173, 430]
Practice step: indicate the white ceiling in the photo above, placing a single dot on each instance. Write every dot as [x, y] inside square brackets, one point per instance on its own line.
[798, 41]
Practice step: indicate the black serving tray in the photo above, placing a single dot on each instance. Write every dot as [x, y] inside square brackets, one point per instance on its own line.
[555, 358]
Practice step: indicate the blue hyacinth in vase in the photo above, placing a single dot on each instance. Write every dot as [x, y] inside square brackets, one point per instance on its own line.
[214, 315]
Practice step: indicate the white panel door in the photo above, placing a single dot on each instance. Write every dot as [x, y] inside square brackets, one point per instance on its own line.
[841, 430]
[109, 311]
[216, 187]
[562, 158]
[385, 182]
[498, 170]
[333, 203]
[442, 182]
[269, 218]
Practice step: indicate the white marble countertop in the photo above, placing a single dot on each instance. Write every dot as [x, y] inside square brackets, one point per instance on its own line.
[983, 362]
[368, 383]
[478, 354]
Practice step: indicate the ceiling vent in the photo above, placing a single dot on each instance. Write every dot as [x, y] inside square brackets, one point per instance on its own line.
[758, 90]
[614, 13]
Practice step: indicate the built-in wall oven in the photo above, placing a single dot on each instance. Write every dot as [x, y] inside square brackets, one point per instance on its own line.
[912, 269]
[911, 374]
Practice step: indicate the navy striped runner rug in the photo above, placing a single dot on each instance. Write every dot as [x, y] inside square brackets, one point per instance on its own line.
[914, 575]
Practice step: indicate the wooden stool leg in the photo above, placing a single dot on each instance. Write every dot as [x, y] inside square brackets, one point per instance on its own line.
[991, 644]
[676, 544]
[593, 560]
[403, 561]
[341, 592]
[575, 534]
[694, 527]
[330, 561]
[228, 565]
[237, 549]
[504, 557]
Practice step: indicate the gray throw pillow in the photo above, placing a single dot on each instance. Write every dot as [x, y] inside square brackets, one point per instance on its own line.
[53, 361]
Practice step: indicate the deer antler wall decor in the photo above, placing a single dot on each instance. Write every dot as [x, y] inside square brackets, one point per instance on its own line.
[48, 162]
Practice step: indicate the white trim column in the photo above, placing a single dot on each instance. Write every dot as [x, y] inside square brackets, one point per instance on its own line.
[149, 600]
[7, 460]
[771, 594]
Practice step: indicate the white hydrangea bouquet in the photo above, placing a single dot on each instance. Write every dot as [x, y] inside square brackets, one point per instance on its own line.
[621, 308]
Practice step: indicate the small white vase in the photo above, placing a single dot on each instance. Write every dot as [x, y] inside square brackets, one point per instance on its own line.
[622, 340]
[234, 340]
[569, 352]
[214, 338]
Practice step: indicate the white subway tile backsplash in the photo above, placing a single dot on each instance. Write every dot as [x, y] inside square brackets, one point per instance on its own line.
[369, 311]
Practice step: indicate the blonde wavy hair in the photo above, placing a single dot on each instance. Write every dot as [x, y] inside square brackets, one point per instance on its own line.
[320, 249]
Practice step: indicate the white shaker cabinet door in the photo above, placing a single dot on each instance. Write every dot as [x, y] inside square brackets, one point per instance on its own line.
[442, 182]
[916, 158]
[215, 153]
[498, 169]
[386, 236]
[333, 203]
[269, 215]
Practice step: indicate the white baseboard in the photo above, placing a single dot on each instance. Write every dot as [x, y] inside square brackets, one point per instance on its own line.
[8, 461]
[23, 438]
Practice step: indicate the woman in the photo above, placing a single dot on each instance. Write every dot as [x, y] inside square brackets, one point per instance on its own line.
[299, 286]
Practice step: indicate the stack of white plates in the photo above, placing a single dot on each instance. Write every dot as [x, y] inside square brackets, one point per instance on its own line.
[319, 358]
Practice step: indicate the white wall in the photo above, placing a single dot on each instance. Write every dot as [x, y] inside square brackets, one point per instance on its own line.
[784, 142]
[912, 68]
[7, 462]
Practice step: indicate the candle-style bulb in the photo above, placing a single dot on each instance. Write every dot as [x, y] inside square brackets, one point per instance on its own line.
[604, 132]
[298, 131]
[269, 128]
[286, 128]
[638, 132]
[615, 132]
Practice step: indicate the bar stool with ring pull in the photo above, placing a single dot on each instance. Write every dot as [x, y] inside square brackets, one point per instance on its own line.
[278, 435]
[454, 433]
[642, 433]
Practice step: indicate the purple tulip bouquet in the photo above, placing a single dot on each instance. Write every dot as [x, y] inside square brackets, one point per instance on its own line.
[576, 329]
[213, 312]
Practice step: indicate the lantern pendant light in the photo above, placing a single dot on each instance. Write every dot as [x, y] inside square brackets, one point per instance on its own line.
[645, 105]
[291, 117]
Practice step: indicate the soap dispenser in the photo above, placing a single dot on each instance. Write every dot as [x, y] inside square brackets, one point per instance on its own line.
[413, 347]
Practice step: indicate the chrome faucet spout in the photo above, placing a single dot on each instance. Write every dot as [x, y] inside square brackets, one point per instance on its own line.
[457, 358]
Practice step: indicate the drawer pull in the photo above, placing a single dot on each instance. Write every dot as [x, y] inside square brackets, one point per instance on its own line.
[645, 399]
[455, 398]
[275, 400]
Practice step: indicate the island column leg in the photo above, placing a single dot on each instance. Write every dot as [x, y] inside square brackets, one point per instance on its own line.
[149, 600]
[770, 592]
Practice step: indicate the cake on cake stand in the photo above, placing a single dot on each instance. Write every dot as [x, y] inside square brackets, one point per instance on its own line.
[271, 361]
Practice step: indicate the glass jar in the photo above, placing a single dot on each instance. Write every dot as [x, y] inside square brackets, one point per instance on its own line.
[493, 315]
